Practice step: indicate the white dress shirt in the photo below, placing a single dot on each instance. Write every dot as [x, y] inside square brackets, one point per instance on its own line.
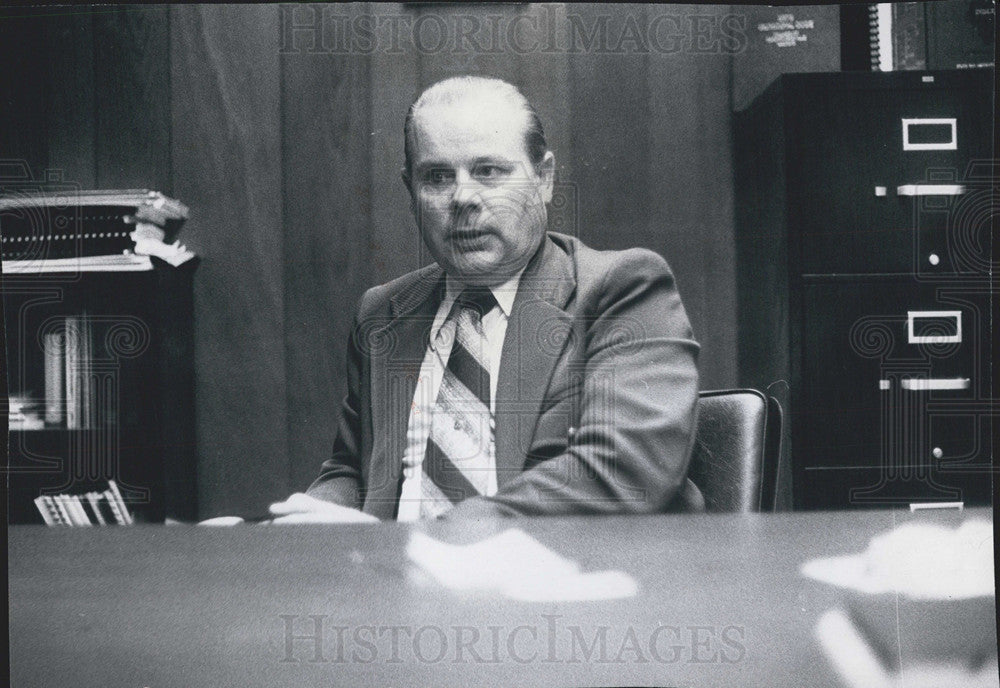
[432, 369]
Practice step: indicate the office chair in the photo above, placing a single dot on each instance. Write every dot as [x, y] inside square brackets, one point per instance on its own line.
[737, 445]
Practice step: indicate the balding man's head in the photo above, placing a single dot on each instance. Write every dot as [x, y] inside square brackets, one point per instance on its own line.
[479, 177]
[482, 92]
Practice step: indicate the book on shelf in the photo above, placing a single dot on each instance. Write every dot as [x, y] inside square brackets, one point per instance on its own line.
[125, 262]
[69, 400]
[79, 516]
[23, 413]
[59, 508]
[94, 500]
[54, 346]
[75, 376]
[86, 400]
[41, 227]
[90, 509]
[48, 511]
[34, 213]
[118, 503]
[137, 259]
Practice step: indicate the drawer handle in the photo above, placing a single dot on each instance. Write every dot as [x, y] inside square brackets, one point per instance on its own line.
[913, 338]
[912, 123]
[932, 384]
[930, 190]
[919, 506]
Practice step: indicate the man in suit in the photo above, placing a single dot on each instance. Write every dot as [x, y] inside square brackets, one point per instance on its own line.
[523, 373]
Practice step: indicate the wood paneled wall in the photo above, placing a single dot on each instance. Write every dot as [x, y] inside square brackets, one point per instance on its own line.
[290, 162]
[226, 112]
[327, 162]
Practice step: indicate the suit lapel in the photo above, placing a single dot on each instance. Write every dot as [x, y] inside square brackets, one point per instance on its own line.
[397, 351]
[536, 335]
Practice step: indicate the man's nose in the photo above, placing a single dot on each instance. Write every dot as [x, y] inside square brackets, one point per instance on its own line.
[466, 191]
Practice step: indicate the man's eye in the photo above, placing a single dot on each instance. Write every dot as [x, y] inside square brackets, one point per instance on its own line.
[488, 172]
[439, 176]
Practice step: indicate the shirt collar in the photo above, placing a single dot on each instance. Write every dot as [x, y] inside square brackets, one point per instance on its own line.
[503, 293]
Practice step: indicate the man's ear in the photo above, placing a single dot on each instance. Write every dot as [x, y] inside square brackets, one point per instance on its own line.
[407, 179]
[547, 171]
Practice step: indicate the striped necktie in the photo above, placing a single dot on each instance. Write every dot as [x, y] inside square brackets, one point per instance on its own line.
[459, 450]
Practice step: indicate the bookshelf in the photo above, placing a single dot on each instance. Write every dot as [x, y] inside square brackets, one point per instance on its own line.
[99, 361]
[139, 429]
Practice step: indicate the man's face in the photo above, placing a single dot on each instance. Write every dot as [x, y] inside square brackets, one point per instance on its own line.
[476, 197]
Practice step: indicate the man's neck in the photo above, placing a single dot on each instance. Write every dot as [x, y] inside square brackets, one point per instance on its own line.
[504, 293]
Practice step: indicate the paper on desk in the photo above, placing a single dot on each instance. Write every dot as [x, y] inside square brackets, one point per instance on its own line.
[517, 566]
[919, 560]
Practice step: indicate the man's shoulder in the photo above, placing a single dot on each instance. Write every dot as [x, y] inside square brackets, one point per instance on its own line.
[590, 267]
[595, 266]
[379, 297]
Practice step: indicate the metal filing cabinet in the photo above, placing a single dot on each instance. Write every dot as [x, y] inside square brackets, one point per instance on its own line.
[864, 247]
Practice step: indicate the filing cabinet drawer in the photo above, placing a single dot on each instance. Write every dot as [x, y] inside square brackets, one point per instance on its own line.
[867, 488]
[875, 174]
[897, 376]
[946, 458]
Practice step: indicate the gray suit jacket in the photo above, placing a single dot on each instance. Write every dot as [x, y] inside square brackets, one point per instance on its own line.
[595, 401]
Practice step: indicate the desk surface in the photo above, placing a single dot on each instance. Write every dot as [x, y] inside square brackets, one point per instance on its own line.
[720, 602]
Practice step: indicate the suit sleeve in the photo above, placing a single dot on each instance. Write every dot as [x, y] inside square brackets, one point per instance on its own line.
[630, 449]
[339, 480]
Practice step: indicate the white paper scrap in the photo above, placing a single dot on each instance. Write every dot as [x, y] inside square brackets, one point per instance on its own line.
[516, 565]
[919, 560]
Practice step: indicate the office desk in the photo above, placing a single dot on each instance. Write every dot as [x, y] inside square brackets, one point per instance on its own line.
[187, 606]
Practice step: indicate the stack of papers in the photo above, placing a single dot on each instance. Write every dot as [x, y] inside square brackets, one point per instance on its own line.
[72, 230]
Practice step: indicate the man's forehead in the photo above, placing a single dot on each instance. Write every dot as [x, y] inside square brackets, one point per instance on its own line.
[473, 124]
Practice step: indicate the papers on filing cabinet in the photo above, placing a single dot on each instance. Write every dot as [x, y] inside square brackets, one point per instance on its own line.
[517, 566]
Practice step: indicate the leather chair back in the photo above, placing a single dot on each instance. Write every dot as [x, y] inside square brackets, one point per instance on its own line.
[737, 445]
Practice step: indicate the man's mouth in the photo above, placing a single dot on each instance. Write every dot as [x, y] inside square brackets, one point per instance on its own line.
[465, 234]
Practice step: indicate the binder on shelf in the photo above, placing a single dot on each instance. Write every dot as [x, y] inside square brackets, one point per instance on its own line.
[55, 507]
[74, 405]
[138, 258]
[90, 509]
[87, 419]
[76, 508]
[60, 502]
[38, 230]
[94, 500]
[99, 216]
[54, 345]
[48, 511]
[116, 511]
[125, 262]
[117, 500]
[79, 388]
